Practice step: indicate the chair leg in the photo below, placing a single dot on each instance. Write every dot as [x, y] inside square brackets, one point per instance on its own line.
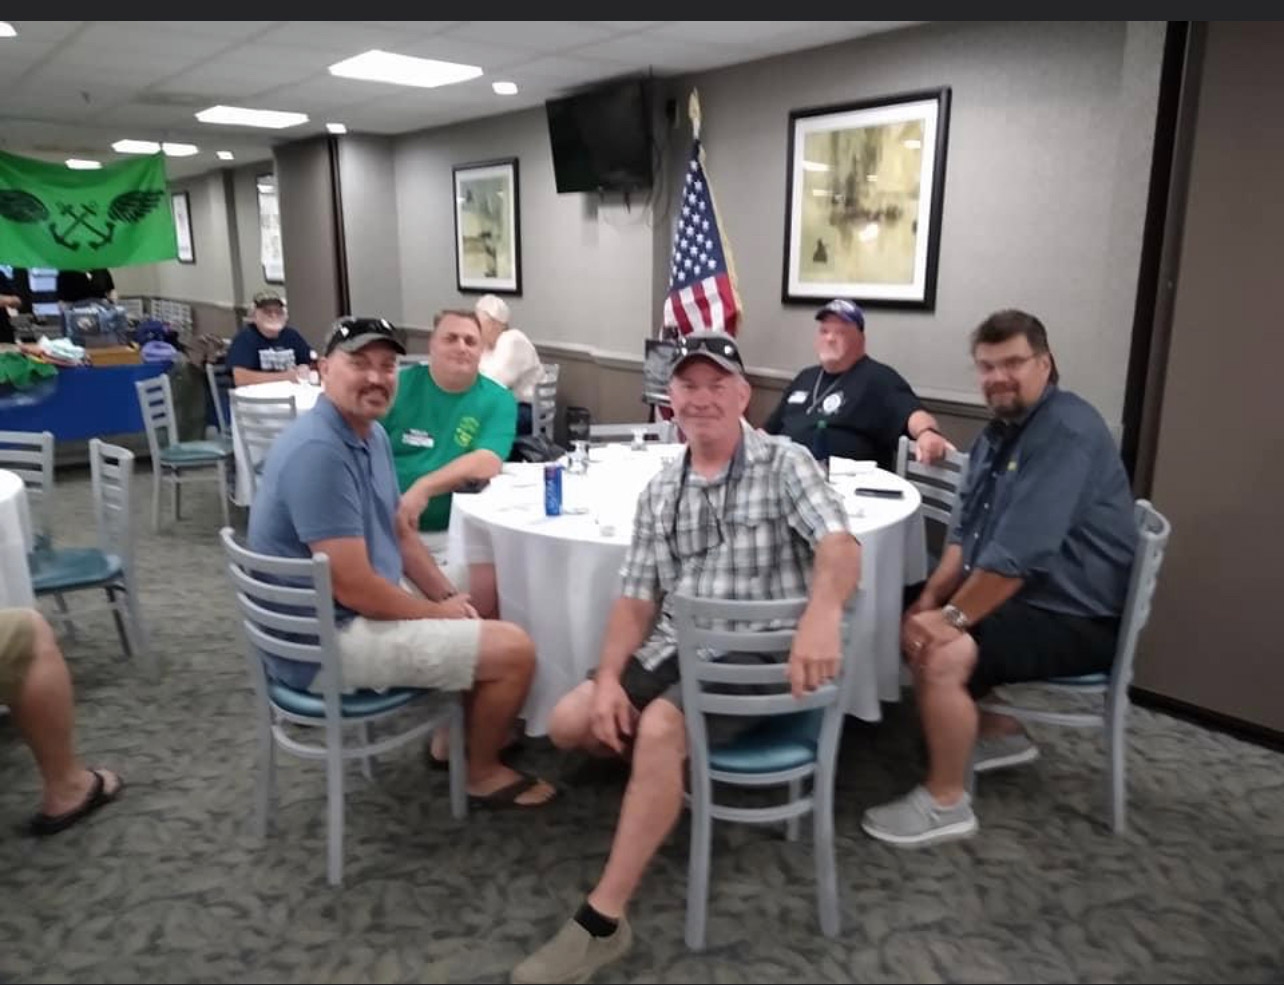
[178, 496]
[698, 866]
[458, 764]
[334, 822]
[156, 495]
[823, 845]
[222, 491]
[367, 762]
[68, 626]
[791, 826]
[1117, 751]
[265, 784]
[118, 617]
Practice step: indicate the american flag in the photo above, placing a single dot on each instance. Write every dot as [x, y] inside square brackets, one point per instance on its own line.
[702, 287]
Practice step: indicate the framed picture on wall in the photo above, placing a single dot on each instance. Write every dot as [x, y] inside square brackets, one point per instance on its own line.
[488, 239]
[182, 208]
[866, 182]
[270, 254]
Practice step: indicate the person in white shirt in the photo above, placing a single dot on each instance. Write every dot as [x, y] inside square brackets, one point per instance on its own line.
[508, 356]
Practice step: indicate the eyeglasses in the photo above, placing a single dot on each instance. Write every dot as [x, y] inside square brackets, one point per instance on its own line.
[1008, 367]
[715, 345]
[350, 328]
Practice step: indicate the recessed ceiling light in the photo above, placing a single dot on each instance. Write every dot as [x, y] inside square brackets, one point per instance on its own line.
[225, 155]
[179, 150]
[7, 30]
[336, 128]
[240, 116]
[504, 88]
[385, 66]
[79, 164]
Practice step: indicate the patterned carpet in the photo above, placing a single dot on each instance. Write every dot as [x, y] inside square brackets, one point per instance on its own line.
[169, 885]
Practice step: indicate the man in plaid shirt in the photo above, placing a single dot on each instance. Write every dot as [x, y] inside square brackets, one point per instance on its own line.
[744, 516]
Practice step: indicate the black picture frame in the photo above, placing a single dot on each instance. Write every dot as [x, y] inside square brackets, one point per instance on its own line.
[907, 274]
[478, 190]
[183, 226]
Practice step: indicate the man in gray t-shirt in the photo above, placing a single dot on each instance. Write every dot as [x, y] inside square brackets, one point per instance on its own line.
[329, 487]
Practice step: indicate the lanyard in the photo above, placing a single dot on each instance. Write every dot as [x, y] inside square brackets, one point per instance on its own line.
[816, 400]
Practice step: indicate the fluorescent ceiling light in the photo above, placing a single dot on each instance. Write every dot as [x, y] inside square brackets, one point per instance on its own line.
[385, 66]
[136, 147]
[79, 164]
[151, 147]
[7, 30]
[504, 88]
[336, 128]
[225, 155]
[814, 166]
[240, 116]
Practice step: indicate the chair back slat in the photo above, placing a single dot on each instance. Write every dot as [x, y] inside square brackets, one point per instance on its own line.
[1153, 531]
[939, 485]
[544, 402]
[259, 421]
[30, 456]
[219, 378]
[111, 471]
[156, 402]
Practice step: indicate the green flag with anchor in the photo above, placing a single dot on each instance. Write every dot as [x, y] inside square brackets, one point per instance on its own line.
[52, 216]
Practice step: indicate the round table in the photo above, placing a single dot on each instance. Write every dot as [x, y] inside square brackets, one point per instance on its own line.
[557, 577]
[15, 543]
[305, 397]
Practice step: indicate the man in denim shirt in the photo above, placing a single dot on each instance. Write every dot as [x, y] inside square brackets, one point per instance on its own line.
[1033, 581]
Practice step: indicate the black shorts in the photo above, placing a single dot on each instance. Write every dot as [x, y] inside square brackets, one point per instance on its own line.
[644, 686]
[1020, 642]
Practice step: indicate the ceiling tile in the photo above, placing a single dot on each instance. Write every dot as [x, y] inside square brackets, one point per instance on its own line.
[647, 50]
[624, 27]
[534, 35]
[42, 31]
[107, 40]
[565, 69]
[329, 92]
[341, 38]
[483, 54]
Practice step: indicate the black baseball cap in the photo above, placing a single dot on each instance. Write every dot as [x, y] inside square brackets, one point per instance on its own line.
[717, 347]
[351, 333]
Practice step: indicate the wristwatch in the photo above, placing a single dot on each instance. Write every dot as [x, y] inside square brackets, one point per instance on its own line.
[956, 617]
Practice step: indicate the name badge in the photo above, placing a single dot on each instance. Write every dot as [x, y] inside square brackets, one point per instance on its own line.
[798, 397]
[417, 439]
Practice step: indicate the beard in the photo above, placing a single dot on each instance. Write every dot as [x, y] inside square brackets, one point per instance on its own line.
[1005, 402]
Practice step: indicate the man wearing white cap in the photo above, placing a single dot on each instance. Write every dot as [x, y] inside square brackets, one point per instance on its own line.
[508, 357]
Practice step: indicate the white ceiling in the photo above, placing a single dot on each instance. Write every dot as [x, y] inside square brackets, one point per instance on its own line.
[72, 88]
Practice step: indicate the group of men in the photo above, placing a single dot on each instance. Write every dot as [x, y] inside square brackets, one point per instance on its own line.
[1030, 586]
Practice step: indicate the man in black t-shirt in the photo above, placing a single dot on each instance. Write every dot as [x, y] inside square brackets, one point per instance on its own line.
[9, 298]
[865, 405]
[267, 348]
[78, 286]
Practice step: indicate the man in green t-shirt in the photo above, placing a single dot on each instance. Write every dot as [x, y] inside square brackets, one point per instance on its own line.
[449, 425]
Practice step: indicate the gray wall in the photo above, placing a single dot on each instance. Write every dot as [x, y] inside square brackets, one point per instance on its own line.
[369, 193]
[1045, 191]
[209, 279]
[1045, 188]
[308, 235]
[1214, 635]
[586, 271]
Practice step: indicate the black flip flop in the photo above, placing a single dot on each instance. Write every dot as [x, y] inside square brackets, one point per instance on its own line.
[505, 798]
[506, 755]
[46, 824]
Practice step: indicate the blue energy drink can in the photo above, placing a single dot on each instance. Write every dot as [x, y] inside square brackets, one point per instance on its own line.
[552, 489]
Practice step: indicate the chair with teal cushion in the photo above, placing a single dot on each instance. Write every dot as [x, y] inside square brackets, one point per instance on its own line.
[256, 422]
[173, 461]
[287, 611]
[796, 742]
[1153, 530]
[110, 565]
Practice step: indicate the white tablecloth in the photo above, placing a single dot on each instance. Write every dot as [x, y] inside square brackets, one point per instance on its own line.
[15, 543]
[558, 576]
[305, 398]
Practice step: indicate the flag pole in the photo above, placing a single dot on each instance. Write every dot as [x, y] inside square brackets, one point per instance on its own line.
[693, 111]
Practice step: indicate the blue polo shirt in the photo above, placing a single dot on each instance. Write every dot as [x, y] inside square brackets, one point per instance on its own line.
[1046, 499]
[322, 480]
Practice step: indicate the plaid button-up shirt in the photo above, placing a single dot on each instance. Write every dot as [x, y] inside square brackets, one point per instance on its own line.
[749, 534]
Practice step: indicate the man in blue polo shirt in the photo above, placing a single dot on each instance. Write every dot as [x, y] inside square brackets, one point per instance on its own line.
[267, 348]
[329, 486]
[1031, 586]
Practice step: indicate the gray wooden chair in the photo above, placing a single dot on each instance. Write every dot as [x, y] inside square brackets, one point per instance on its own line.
[177, 462]
[268, 587]
[257, 422]
[1153, 532]
[797, 742]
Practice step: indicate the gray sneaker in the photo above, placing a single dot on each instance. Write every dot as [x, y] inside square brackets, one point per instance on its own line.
[916, 819]
[996, 752]
[573, 955]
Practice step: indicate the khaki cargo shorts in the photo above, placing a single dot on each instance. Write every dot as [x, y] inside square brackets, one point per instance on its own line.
[17, 641]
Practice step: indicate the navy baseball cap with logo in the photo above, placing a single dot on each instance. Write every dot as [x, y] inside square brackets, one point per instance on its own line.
[848, 311]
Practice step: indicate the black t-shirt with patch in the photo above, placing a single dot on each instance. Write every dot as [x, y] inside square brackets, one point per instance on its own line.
[865, 409]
